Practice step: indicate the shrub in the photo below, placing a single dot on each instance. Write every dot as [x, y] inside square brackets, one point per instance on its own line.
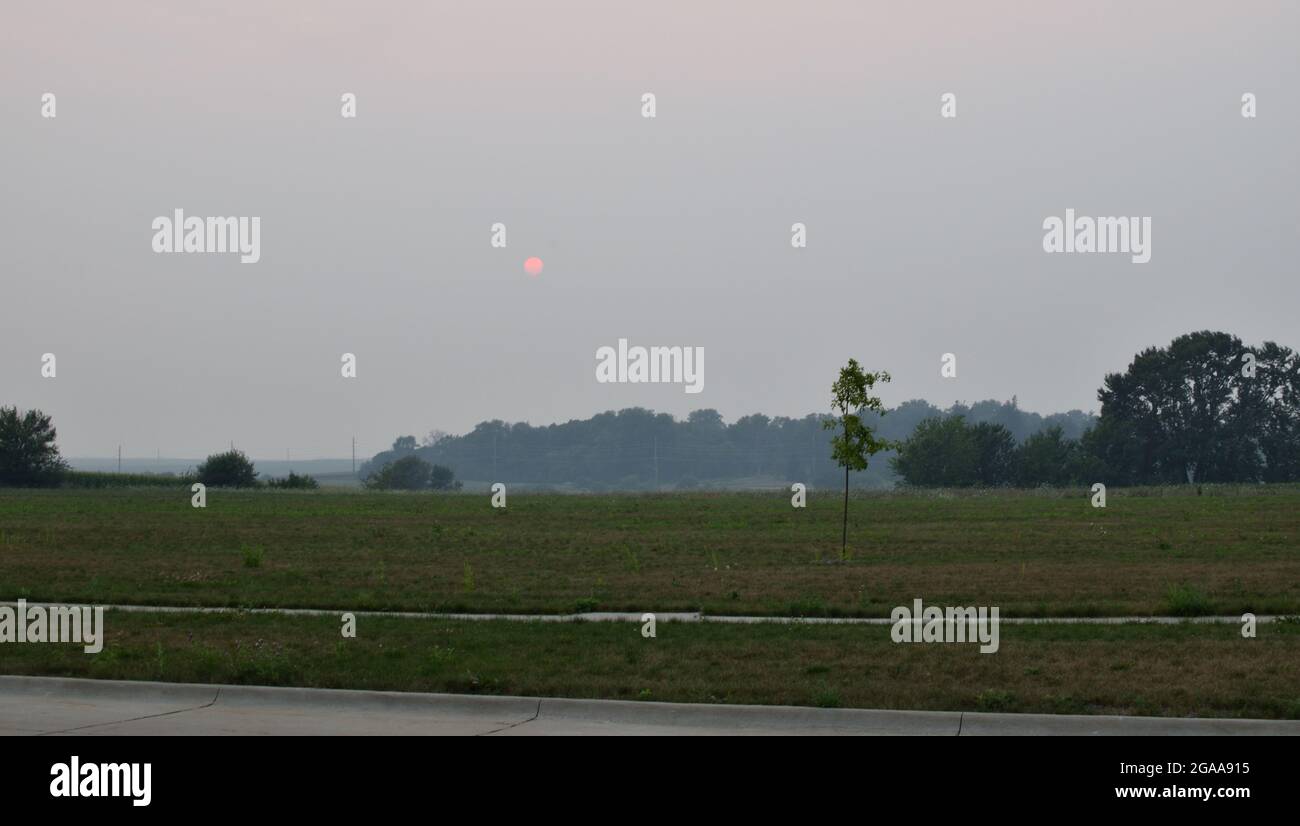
[443, 478]
[407, 473]
[293, 482]
[1187, 601]
[252, 555]
[231, 469]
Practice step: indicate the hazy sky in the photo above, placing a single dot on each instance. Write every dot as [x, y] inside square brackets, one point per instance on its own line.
[924, 233]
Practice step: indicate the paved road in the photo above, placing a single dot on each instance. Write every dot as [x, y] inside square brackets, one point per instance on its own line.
[52, 705]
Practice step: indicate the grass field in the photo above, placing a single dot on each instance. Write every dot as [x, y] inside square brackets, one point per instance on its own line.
[1170, 670]
[1157, 551]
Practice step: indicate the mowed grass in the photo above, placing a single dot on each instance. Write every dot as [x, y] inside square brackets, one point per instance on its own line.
[1173, 670]
[1158, 551]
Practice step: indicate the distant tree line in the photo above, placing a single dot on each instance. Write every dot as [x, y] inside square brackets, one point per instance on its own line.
[1204, 409]
[29, 457]
[638, 449]
[950, 452]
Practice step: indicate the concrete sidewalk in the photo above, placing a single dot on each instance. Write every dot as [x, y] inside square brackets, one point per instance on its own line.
[53, 705]
[635, 616]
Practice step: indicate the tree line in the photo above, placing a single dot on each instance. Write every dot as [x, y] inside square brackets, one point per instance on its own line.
[1206, 408]
[29, 457]
[638, 449]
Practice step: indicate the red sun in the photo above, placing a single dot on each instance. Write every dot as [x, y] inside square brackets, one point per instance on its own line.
[533, 266]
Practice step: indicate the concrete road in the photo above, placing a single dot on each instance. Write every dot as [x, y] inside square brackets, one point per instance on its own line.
[635, 616]
[51, 705]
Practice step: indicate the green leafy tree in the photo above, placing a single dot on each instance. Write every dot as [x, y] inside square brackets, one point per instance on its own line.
[1272, 399]
[945, 451]
[408, 473]
[231, 469]
[856, 442]
[1046, 458]
[995, 455]
[939, 453]
[28, 454]
[442, 477]
[1192, 412]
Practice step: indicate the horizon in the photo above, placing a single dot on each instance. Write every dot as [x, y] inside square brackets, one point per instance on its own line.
[420, 435]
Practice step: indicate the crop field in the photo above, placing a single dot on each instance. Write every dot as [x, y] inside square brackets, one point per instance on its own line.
[1149, 552]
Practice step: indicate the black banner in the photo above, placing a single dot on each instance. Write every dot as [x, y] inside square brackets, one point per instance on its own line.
[214, 776]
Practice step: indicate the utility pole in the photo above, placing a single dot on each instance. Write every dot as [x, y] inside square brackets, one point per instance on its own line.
[354, 455]
[812, 455]
[119, 458]
[656, 449]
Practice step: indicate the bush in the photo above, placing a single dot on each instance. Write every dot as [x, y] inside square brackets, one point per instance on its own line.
[412, 473]
[407, 473]
[293, 482]
[1187, 601]
[252, 555]
[231, 469]
[28, 455]
[443, 478]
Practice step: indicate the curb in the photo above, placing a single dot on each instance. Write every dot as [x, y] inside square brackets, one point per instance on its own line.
[403, 711]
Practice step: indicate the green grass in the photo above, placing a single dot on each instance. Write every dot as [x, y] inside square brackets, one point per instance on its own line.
[1151, 551]
[1161, 670]
[1187, 601]
[253, 555]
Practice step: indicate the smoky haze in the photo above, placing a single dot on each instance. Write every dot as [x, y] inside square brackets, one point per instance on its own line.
[924, 234]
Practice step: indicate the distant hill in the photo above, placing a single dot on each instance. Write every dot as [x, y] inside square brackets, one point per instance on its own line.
[638, 449]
